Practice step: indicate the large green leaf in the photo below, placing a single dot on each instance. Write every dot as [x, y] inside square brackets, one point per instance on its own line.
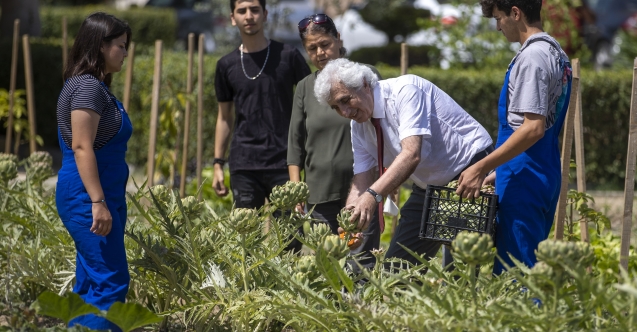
[62, 307]
[129, 316]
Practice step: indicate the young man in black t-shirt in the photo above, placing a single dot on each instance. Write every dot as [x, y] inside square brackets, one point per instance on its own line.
[258, 79]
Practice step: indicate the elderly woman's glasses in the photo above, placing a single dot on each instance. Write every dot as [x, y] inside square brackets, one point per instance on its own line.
[316, 19]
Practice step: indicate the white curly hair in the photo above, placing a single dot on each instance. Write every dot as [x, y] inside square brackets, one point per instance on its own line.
[351, 74]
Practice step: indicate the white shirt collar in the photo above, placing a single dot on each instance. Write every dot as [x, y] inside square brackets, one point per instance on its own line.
[379, 103]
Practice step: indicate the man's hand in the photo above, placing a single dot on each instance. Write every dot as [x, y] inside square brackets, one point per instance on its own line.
[217, 181]
[102, 219]
[363, 209]
[470, 182]
[489, 180]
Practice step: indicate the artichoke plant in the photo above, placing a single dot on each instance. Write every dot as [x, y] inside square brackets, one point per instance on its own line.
[192, 207]
[8, 170]
[287, 196]
[244, 220]
[316, 233]
[37, 172]
[9, 156]
[335, 247]
[41, 157]
[558, 254]
[344, 221]
[162, 195]
[472, 248]
[543, 274]
[305, 268]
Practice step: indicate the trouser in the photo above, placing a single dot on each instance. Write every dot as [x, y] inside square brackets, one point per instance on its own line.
[327, 213]
[251, 188]
[408, 229]
[101, 275]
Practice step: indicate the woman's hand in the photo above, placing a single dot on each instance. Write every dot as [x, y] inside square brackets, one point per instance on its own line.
[102, 219]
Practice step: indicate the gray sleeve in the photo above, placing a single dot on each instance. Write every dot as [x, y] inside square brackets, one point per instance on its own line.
[530, 80]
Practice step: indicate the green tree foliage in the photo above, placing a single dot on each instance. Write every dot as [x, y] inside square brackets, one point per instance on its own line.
[396, 18]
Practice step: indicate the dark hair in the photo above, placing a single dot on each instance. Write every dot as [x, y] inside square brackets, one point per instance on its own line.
[233, 4]
[327, 28]
[86, 57]
[530, 8]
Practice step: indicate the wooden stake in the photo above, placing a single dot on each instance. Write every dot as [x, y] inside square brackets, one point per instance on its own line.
[28, 73]
[65, 45]
[154, 113]
[184, 154]
[579, 148]
[200, 113]
[128, 83]
[629, 186]
[404, 58]
[567, 144]
[14, 73]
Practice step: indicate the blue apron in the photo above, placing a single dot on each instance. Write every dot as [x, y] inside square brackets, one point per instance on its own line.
[528, 186]
[101, 276]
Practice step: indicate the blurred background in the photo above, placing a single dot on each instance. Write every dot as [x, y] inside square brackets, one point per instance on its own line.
[450, 44]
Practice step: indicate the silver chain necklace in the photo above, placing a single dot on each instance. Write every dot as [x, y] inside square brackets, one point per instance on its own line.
[262, 68]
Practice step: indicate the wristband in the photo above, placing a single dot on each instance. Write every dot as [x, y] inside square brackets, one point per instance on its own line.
[100, 201]
[219, 161]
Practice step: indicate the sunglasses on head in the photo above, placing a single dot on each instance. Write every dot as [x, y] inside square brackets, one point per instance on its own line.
[316, 19]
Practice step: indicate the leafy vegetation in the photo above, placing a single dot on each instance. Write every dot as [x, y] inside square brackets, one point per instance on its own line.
[202, 267]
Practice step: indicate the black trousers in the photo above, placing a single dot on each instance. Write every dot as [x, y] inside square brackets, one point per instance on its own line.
[408, 227]
[327, 213]
[251, 188]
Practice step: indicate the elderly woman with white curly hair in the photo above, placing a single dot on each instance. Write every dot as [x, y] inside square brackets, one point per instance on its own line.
[417, 130]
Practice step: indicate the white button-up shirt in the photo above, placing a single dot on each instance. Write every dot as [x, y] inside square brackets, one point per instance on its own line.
[412, 106]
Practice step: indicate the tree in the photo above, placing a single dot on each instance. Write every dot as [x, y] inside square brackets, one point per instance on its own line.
[396, 18]
[26, 10]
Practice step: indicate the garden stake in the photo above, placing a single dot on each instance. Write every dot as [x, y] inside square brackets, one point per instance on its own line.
[579, 150]
[28, 73]
[14, 72]
[567, 143]
[65, 45]
[128, 83]
[184, 153]
[200, 113]
[629, 186]
[154, 113]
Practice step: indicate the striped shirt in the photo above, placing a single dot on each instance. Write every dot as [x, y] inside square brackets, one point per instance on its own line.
[87, 92]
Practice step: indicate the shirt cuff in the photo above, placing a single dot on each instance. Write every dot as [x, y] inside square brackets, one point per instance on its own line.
[425, 133]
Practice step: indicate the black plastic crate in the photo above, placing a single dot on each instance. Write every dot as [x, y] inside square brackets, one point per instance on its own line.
[445, 214]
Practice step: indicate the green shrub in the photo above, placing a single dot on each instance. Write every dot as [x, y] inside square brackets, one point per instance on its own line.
[390, 55]
[148, 24]
[605, 108]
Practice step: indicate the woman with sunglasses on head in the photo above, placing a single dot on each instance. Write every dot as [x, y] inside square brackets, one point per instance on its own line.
[93, 131]
[319, 142]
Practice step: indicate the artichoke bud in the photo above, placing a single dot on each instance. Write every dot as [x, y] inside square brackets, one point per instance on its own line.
[317, 233]
[559, 253]
[345, 223]
[39, 171]
[542, 274]
[335, 247]
[305, 265]
[289, 195]
[41, 157]
[9, 157]
[8, 170]
[244, 220]
[472, 248]
[192, 207]
[161, 193]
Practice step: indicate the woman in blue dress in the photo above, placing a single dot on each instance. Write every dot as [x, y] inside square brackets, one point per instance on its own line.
[93, 131]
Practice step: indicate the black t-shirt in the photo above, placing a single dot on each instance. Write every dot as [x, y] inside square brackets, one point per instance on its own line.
[263, 106]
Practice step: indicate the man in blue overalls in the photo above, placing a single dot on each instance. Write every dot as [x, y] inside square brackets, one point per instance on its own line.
[531, 112]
